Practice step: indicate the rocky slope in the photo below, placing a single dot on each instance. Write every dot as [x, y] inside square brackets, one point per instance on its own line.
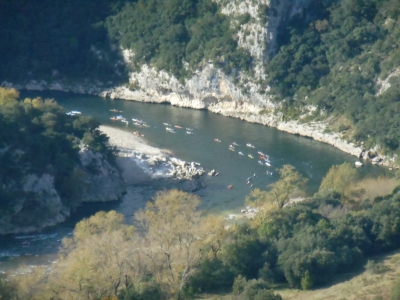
[40, 205]
[210, 88]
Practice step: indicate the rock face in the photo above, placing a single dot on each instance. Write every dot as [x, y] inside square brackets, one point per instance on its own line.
[38, 203]
[165, 166]
[104, 183]
[210, 88]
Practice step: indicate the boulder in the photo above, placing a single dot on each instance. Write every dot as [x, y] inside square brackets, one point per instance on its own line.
[376, 160]
[103, 182]
[358, 164]
[212, 172]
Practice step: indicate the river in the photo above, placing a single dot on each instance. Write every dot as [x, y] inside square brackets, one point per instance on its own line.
[312, 159]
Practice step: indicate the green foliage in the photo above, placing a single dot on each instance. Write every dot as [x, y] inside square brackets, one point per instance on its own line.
[8, 290]
[212, 275]
[167, 33]
[144, 291]
[339, 178]
[244, 256]
[38, 137]
[253, 290]
[375, 267]
[238, 285]
[337, 58]
[307, 282]
[57, 40]
[307, 244]
[395, 292]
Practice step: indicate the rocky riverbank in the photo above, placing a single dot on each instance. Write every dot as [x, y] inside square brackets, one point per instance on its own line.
[142, 164]
[211, 89]
[40, 204]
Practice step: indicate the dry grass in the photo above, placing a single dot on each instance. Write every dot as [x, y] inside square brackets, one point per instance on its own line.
[365, 286]
[353, 286]
[374, 187]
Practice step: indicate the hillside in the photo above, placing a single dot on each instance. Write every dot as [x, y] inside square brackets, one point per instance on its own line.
[286, 251]
[333, 65]
[50, 162]
[369, 284]
[366, 285]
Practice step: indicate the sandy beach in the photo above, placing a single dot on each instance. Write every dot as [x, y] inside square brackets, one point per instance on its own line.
[141, 163]
[127, 142]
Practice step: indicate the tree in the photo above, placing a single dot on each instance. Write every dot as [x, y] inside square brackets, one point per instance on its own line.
[100, 223]
[216, 234]
[100, 259]
[260, 199]
[253, 290]
[29, 284]
[8, 96]
[339, 178]
[279, 194]
[306, 281]
[173, 237]
[8, 290]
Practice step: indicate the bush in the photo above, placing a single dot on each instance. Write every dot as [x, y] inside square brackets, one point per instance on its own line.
[253, 290]
[375, 267]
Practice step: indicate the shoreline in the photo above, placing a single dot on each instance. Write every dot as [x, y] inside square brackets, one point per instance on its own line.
[251, 113]
[241, 109]
[140, 163]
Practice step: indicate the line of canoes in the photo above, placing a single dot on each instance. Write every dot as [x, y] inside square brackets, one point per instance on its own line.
[263, 158]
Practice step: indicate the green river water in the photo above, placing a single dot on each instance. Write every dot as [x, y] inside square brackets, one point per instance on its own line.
[312, 159]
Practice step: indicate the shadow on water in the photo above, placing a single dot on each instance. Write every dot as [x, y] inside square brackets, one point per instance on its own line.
[43, 246]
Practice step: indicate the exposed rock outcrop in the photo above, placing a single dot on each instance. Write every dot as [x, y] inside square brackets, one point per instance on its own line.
[104, 183]
[153, 163]
[38, 204]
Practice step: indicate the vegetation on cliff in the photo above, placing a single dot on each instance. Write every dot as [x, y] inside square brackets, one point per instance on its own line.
[335, 62]
[37, 137]
[58, 40]
[167, 33]
[330, 54]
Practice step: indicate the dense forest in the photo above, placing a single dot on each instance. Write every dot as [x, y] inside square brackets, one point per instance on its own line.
[166, 34]
[330, 56]
[334, 63]
[57, 40]
[175, 251]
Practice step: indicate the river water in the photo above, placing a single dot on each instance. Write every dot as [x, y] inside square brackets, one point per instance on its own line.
[312, 159]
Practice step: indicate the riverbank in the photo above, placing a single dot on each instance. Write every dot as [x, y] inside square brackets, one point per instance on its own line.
[141, 163]
[213, 91]
[317, 130]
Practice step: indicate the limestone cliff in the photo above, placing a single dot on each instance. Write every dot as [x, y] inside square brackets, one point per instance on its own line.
[39, 204]
[210, 88]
